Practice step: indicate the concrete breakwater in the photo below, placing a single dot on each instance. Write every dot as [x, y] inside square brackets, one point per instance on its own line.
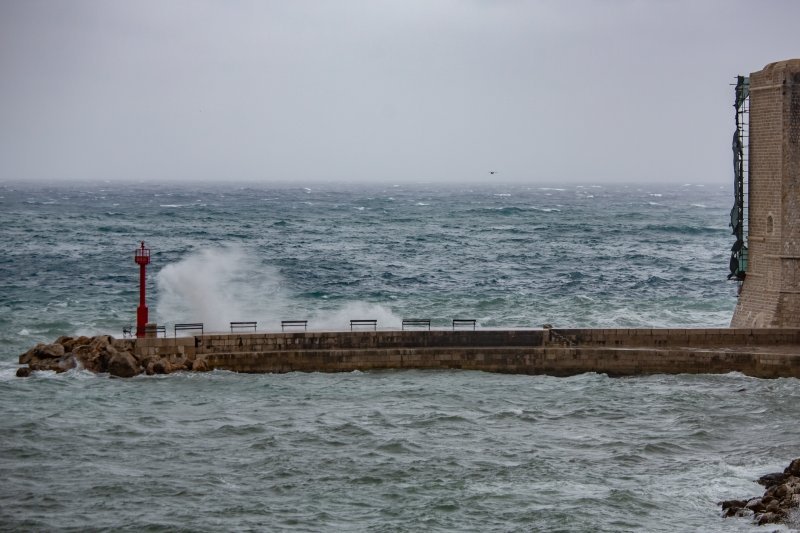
[764, 353]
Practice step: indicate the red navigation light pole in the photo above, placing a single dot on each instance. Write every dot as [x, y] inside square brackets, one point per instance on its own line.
[142, 259]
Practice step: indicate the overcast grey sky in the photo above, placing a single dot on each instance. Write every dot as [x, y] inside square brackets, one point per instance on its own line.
[541, 91]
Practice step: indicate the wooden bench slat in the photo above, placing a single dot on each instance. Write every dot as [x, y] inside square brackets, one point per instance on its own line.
[421, 322]
[364, 322]
[464, 322]
[294, 323]
[188, 326]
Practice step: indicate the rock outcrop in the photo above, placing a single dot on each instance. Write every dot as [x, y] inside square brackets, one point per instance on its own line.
[780, 500]
[100, 354]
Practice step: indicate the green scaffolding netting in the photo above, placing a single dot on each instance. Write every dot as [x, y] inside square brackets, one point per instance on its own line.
[738, 262]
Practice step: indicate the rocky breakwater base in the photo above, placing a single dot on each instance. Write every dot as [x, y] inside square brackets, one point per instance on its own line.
[779, 504]
[102, 354]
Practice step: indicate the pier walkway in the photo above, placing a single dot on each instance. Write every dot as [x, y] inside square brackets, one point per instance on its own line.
[766, 353]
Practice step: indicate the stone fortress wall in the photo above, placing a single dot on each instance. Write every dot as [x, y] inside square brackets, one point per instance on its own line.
[770, 295]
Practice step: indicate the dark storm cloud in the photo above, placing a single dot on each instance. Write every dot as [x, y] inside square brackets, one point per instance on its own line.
[542, 91]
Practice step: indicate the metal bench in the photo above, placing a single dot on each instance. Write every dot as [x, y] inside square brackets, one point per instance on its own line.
[294, 324]
[189, 326]
[243, 325]
[127, 332]
[150, 330]
[369, 322]
[416, 323]
[464, 322]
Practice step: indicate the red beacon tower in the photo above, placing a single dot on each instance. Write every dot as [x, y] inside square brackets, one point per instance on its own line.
[142, 259]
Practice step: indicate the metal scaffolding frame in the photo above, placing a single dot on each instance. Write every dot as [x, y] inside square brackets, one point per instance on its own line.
[741, 169]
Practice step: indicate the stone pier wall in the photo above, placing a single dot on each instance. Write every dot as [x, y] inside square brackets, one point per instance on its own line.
[680, 338]
[619, 352]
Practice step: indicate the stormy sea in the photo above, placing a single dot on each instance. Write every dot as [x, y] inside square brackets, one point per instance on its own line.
[388, 450]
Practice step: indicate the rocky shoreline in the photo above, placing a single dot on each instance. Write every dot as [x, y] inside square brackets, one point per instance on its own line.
[780, 501]
[102, 354]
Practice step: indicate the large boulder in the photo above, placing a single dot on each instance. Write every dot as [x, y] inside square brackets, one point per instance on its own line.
[768, 480]
[27, 357]
[42, 352]
[48, 357]
[92, 357]
[200, 365]
[87, 358]
[101, 342]
[160, 366]
[793, 469]
[49, 351]
[70, 343]
[123, 365]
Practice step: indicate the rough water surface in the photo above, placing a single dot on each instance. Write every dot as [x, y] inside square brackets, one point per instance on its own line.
[377, 451]
[508, 256]
[388, 451]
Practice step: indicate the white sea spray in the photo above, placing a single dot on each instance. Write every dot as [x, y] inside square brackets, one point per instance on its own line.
[219, 285]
